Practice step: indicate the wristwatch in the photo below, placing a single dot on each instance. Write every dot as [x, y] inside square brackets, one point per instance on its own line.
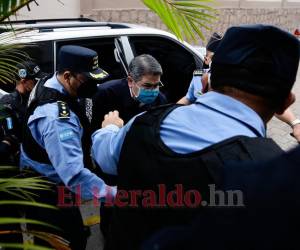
[295, 122]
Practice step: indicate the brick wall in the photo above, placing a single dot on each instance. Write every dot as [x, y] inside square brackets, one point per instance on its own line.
[286, 18]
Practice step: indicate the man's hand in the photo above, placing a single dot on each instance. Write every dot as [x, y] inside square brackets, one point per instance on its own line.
[296, 132]
[204, 82]
[112, 118]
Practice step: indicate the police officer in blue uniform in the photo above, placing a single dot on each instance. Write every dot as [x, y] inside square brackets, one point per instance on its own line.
[200, 81]
[56, 140]
[211, 48]
[27, 75]
[189, 144]
[9, 142]
[137, 93]
[12, 112]
[9, 148]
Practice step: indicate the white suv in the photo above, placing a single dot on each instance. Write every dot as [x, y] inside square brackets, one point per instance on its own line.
[116, 44]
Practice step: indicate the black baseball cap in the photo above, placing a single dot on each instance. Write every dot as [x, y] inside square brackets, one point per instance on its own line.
[213, 42]
[82, 60]
[29, 70]
[259, 59]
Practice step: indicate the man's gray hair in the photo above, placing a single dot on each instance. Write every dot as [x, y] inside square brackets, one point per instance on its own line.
[144, 65]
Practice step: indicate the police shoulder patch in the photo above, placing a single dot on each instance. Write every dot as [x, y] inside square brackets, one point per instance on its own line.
[66, 134]
[63, 110]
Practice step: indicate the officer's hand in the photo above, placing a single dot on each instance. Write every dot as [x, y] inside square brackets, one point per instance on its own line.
[296, 132]
[207, 60]
[112, 118]
[204, 81]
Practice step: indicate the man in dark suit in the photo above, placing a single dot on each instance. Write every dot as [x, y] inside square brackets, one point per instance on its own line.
[137, 93]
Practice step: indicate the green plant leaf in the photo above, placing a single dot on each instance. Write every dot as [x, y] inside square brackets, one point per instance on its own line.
[54, 240]
[194, 4]
[199, 14]
[23, 246]
[10, 7]
[26, 203]
[184, 19]
[10, 220]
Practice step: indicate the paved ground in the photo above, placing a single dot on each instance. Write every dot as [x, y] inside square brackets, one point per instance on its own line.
[95, 241]
[277, 130]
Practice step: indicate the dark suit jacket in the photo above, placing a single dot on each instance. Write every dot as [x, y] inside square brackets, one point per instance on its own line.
[115, 95]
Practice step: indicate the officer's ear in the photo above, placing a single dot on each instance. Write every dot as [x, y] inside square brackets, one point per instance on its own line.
[67, 76]
[22, 81]
[130, 81]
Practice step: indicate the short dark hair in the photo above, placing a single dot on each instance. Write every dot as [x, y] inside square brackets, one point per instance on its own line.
[61, 71]
[144, 65]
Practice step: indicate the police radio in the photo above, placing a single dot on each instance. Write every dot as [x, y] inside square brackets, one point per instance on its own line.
[6, 121]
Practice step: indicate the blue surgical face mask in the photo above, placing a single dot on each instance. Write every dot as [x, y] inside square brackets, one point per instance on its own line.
[147, 96]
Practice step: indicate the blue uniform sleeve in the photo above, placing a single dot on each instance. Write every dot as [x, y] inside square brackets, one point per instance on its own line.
[190, 94]
[61, 138]
[107, 145]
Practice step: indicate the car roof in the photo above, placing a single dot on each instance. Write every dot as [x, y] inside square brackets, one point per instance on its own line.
[49, 25]
[57, 30]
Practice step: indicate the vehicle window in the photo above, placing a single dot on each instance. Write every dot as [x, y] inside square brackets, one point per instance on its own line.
[177, 62]
[42, 53]
[120, 54]
[105, 49]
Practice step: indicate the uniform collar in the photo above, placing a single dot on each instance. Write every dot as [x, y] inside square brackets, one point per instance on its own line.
[238, 110]
[53, 83]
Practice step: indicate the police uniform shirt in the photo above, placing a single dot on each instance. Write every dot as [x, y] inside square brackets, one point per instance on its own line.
[195, 89]
[213, 118]
[196, 86]
[115, 95]
[62, 140]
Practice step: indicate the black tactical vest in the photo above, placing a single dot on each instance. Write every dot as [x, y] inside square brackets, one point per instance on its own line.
[42, 95]
[145, 162]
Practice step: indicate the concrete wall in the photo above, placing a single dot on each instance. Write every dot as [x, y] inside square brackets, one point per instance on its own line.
[286, 18]
[50, 9]
[88, 5]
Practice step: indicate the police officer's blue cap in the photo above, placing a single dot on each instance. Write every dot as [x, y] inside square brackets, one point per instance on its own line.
[260, 59]
[81, 60]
